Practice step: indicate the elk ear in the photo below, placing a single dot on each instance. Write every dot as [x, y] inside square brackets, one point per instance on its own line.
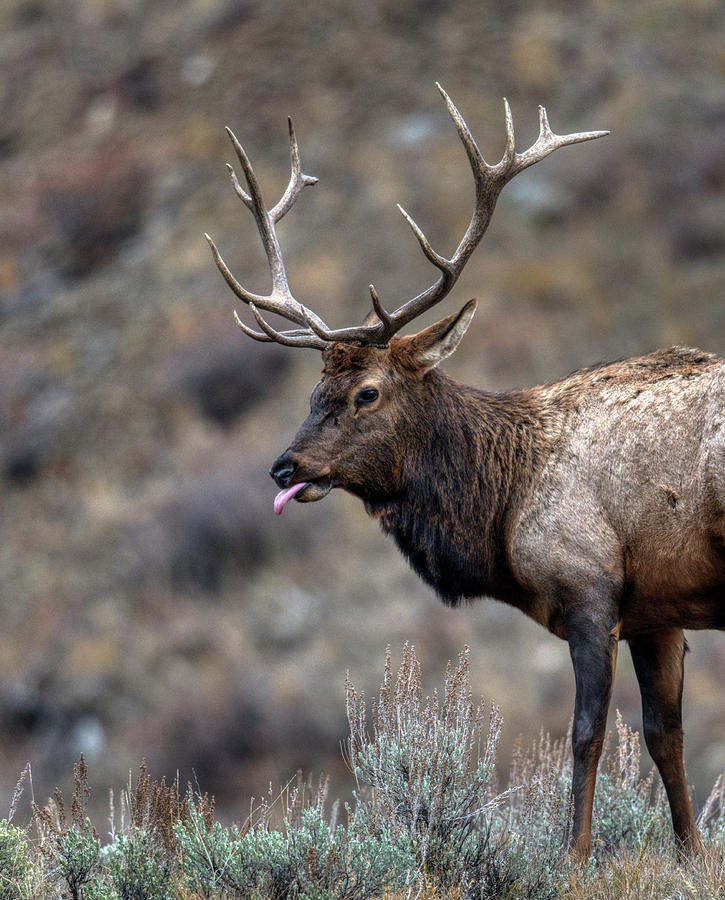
[434, 343]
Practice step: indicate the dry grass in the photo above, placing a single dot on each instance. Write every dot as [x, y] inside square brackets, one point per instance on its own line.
[651, 876]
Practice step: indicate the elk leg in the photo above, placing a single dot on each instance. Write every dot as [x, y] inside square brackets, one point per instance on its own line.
[593, 649]
[659, 663]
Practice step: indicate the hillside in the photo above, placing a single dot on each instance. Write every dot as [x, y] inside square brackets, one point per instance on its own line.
[152, 604]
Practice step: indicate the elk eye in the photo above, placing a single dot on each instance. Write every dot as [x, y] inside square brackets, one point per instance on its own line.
[367, 395]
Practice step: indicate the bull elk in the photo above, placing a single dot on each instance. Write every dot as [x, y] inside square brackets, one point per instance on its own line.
[595, 505]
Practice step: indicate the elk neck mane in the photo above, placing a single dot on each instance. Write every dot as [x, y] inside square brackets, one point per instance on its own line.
[467, 456]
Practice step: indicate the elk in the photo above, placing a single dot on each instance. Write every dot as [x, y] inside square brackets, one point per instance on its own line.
[595, 504]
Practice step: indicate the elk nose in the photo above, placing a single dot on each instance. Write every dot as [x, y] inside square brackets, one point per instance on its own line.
[283, 468]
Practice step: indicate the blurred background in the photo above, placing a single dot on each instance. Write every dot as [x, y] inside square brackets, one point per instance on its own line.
[151, 604]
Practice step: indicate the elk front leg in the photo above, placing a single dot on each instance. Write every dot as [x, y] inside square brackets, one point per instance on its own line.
[593, 641]
[659, 663]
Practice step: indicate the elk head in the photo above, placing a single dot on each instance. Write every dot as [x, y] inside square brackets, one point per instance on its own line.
[359, 422]
[361, 414]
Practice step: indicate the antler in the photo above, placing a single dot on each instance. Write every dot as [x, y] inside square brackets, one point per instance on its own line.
[280, 299]
[489, 181]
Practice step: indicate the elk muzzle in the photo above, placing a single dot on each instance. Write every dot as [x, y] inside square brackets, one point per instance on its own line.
[288, 474]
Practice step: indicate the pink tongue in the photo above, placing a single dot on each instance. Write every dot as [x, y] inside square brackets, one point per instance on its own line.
[281, 500]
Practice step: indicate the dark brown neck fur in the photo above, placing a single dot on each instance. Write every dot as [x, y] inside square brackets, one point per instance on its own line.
[467, 457]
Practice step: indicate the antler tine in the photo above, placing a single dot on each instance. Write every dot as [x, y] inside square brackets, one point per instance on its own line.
[299, 338]
[296, 338]
[297, 180]
[381, 313]
[250, 332]
[474, 154]
[239, 190]
[546, 143]
[439, 261]
[280, 300]
[265, 226]
[510, 151]
[240, 291]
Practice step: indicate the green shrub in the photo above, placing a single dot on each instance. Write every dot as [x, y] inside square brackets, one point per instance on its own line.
[712, 815]
[429, 770]
[16, 867]
[308, 859]
[77, 856]
[136, 870]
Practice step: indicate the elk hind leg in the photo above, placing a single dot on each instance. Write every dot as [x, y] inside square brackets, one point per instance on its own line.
[659, 663]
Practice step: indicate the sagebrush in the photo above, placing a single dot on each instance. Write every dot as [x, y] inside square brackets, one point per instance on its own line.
[430, 818]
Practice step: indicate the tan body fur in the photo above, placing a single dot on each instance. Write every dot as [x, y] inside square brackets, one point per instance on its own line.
[632, 490]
